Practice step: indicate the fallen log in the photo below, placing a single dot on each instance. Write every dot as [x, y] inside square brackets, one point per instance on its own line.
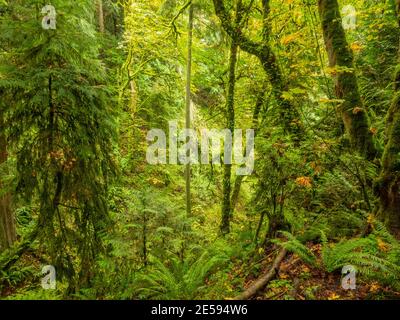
[263, 281]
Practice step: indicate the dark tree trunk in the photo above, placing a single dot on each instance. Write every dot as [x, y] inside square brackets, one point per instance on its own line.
[230, 112]
[7, 223]
[352, 110]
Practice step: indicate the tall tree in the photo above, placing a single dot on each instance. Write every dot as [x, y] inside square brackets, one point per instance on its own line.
[62, 129]
[100, 15]
[230, 113]
[353, 112]
[7, 220]
[260, 100]
[388, 183]
[7, 223]
[188, 103]
[263, 51]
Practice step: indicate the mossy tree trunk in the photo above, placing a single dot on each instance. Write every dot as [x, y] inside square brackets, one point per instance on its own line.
[256, 112]
[352, 110]
[227, 207]
[388, 183]
[7, 223]
[262, 50]
[230, 112]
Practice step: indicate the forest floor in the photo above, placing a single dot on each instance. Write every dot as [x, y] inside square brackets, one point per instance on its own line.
[298, 281]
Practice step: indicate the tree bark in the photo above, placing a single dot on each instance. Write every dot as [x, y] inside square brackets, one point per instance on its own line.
[239, 179]
[230, 112]
[100, 14]
[263, 281]
[188, 102]
[262, 50]
[388, 184]
[352, 110]
[397, 9]
[7, 223]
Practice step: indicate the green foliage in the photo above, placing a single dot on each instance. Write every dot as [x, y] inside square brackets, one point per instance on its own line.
[375, 256]
[176, 279]
[77, 106]
[294, 245]
[55, 95]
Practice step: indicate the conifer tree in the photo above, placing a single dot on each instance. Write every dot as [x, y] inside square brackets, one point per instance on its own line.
[59, 123]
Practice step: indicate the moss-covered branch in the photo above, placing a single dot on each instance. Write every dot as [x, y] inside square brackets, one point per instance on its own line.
[264, 53]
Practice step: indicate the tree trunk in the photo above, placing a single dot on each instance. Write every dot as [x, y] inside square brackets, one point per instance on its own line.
[388, 184]
[262, 50]
[230, 112]
[7, 224]
[188, 102]
[239, 179]
[260, 283]
[352, 110]
[100, 14]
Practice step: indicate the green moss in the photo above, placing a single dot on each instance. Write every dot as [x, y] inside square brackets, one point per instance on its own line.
[354, 115]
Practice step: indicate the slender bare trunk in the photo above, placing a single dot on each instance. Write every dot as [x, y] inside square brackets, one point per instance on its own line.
[100, 14]
[188, 102]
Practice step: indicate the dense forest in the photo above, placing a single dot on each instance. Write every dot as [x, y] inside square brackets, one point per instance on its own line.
[200, 149]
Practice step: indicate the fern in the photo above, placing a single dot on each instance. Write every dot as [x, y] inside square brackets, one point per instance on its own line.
[365, 254]
[294, 245]
[179, 280]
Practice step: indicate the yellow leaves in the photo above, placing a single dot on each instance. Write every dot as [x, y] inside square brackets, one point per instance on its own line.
[59, 154]
[356, 47]
[333, 296]
[374, 287]
[304, 182]
[382, 245]
[380, 25]
[370, 219]
[156, 182]
[290, 95]
[333, 71]
[335, 102]
[357, 110]
[289, 38]
[305, 269]
[374, 131]
[287, 96]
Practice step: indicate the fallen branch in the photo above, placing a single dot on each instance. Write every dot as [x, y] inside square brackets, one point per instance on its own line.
[263, 281]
